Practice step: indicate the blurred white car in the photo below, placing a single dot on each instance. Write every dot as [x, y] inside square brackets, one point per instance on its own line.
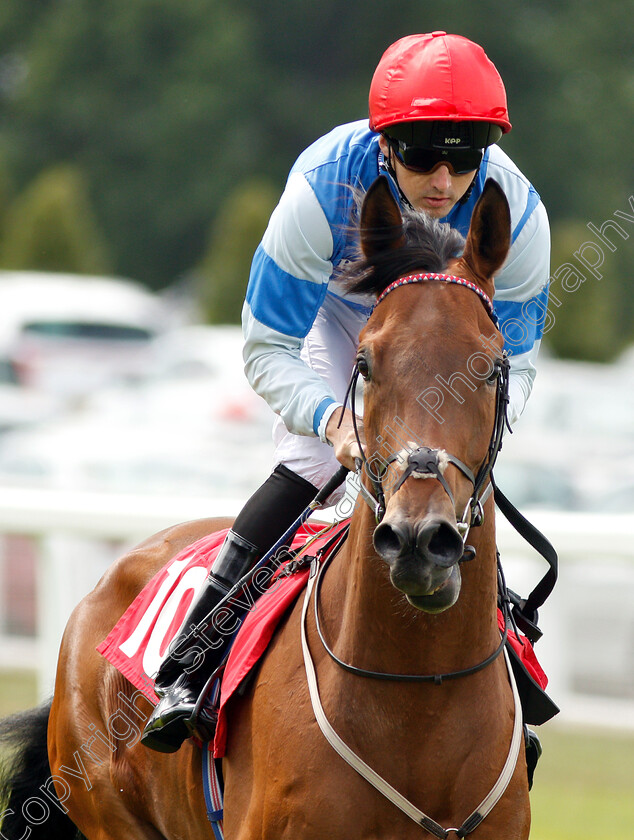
[24, 407]
[192, 426]
[70, 334]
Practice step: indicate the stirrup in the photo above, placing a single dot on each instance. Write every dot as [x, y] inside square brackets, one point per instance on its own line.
[166, 739]
[167, 727]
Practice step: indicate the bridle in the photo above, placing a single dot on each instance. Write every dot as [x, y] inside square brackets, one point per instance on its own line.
[425, 461]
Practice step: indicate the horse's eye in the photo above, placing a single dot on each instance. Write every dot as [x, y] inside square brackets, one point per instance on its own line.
[363, 367]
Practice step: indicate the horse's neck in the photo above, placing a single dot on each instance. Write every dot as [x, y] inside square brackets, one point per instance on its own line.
[374, 627]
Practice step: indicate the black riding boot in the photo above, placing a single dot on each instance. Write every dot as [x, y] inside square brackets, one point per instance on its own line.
[262, 521]
[181, 677]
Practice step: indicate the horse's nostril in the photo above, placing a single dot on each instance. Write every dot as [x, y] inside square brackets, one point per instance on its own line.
[388, 541]
[441, 543]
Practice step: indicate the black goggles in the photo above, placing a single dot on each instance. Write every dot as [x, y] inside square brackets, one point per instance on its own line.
[421, 159]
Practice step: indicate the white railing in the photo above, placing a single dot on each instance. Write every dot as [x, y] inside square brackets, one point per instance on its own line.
[588, 622]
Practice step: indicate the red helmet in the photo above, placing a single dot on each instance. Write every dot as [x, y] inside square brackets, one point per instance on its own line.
[436, 77]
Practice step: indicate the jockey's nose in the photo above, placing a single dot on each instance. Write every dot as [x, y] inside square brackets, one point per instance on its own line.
[441, 178]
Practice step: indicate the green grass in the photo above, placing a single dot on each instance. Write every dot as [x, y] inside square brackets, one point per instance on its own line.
[584, 782]
[18, 690]
[584, 786]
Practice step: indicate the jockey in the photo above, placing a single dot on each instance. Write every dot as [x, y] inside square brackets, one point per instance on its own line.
[437, 109]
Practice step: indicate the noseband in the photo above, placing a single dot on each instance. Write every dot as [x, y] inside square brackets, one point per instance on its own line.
[425, 461]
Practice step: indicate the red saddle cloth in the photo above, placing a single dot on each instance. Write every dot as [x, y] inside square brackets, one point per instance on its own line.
[140, 639]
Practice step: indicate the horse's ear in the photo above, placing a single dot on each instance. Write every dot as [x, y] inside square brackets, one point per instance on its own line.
[489, 237]
[381, 220]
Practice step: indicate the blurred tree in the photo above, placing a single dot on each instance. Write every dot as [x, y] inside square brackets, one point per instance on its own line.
[6, 192]
[224, 270]
[153, 100]
[50, 227]
[166, 105]
[584, 309]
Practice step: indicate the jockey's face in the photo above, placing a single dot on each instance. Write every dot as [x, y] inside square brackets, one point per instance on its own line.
[434, 192]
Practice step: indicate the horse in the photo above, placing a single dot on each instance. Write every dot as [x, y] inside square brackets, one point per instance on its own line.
[399, 628]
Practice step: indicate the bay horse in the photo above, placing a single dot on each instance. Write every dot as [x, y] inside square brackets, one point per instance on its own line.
[406, 671]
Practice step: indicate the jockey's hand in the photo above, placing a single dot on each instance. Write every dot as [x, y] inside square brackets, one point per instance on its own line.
[340, 433]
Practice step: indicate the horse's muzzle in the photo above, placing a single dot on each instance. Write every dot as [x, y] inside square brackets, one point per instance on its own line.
[423, 560]
[435, 541]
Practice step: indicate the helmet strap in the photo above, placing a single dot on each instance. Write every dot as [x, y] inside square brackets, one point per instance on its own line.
[467, 195]
[389, 166]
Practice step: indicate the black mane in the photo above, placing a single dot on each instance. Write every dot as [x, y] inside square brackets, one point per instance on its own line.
[429, 245]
